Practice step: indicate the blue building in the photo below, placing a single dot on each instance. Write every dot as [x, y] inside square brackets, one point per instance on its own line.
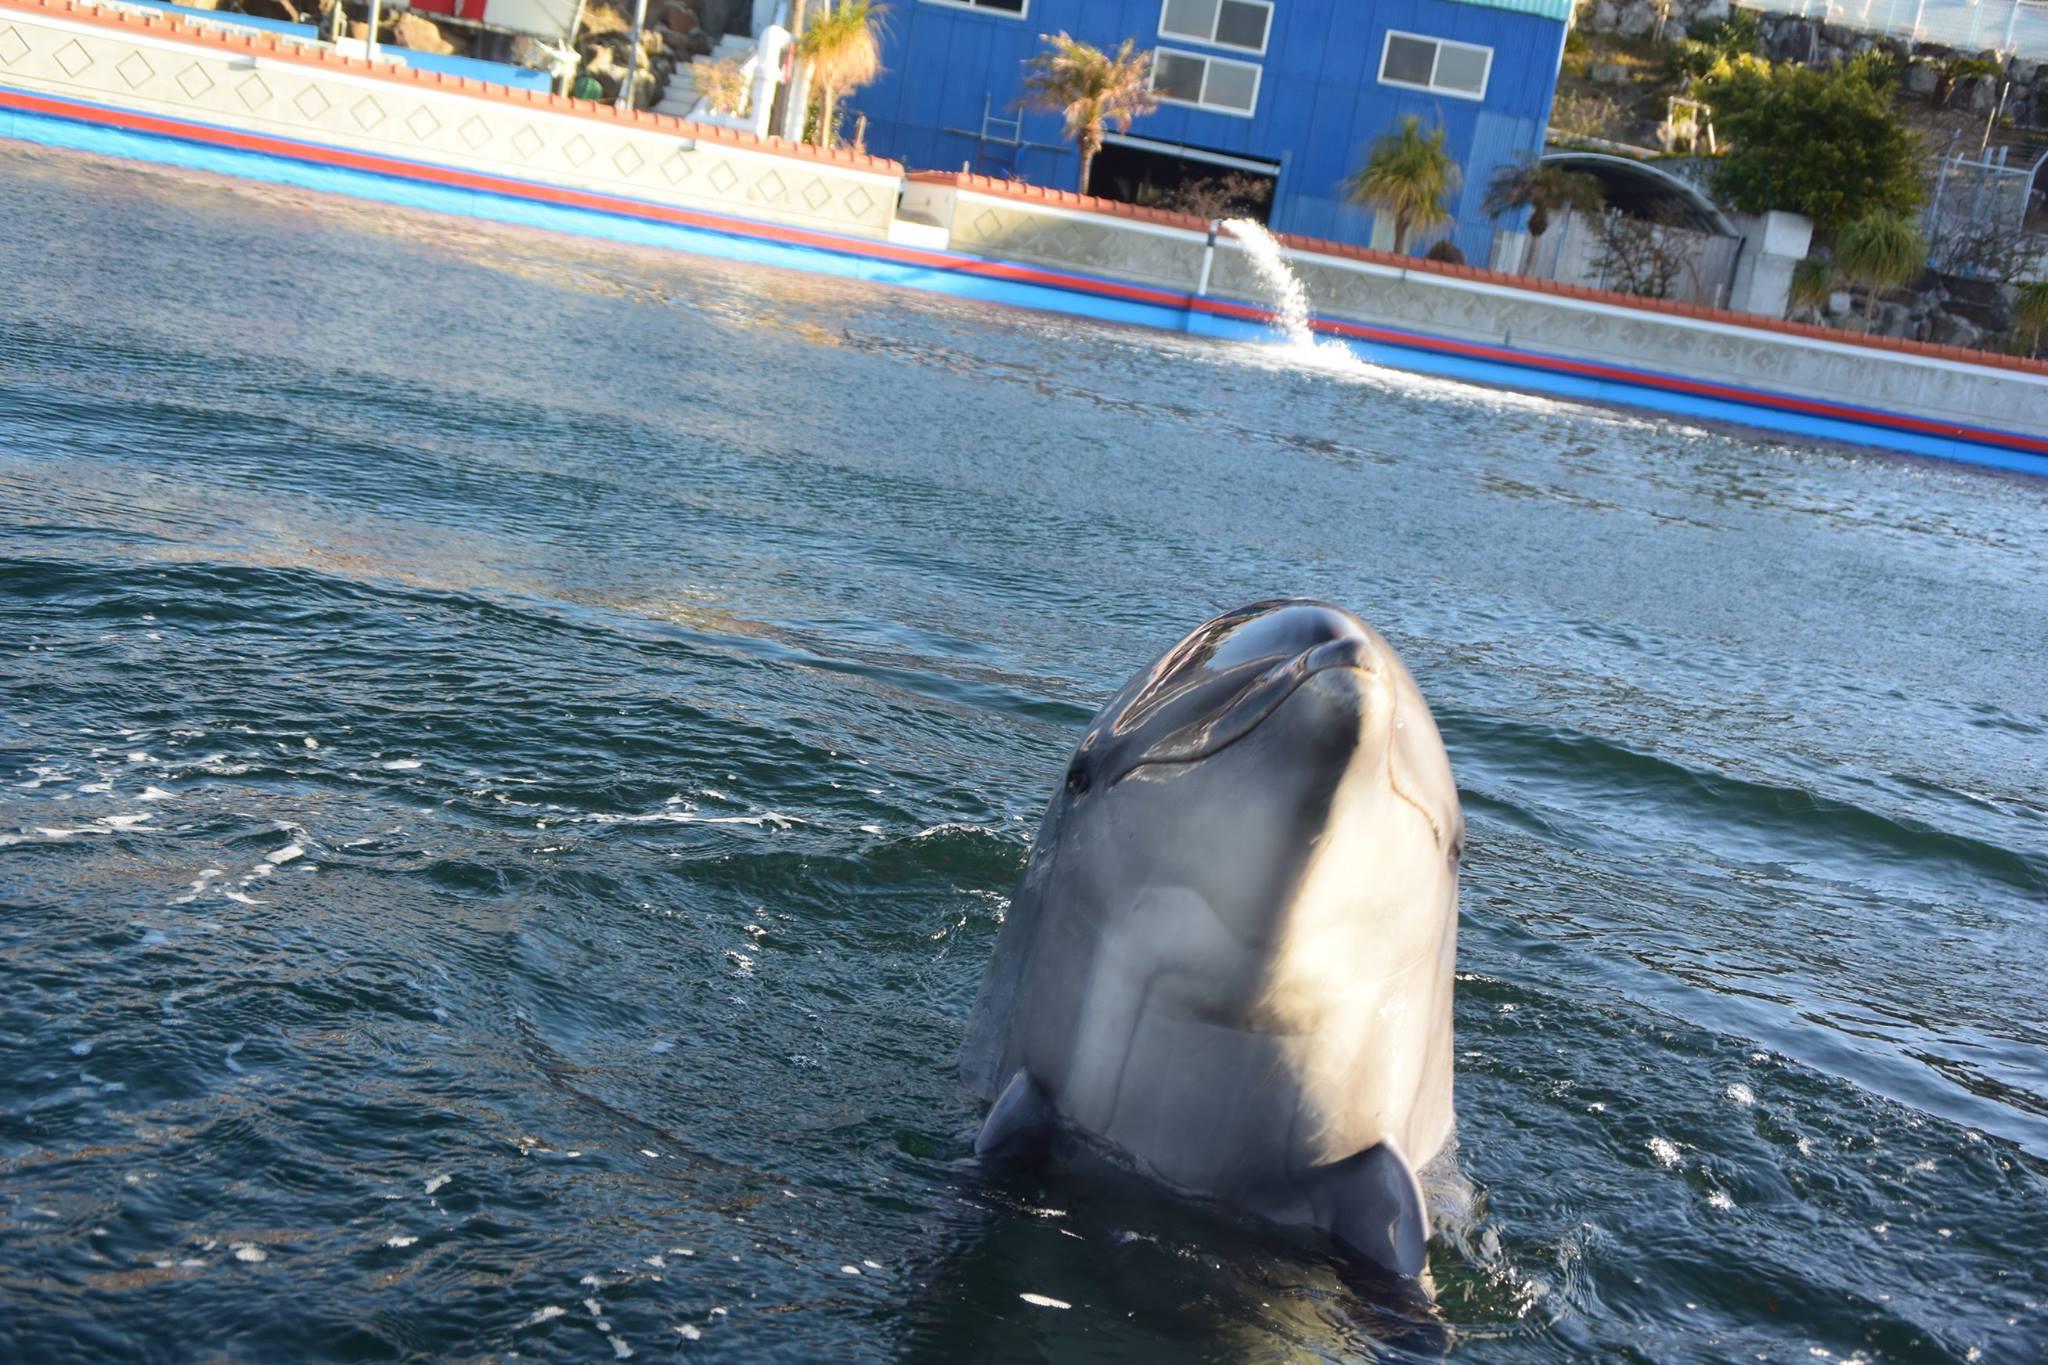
[1290, 90]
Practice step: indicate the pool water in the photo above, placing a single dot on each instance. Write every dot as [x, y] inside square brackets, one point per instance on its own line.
[513, 752]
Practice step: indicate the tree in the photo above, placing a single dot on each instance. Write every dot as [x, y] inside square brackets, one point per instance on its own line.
[1543, 188]
[843, 47]
[1092, 89]
[1409, 174]
[1823, 144]
[1877, 251]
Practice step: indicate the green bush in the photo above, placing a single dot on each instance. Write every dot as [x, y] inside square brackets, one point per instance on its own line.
[1825, 145]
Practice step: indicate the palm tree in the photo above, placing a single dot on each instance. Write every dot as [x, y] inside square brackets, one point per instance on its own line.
[1813, 279]
[844, 49]
[1877, 251]
[1092, 88]
[2030, 312]
[1543, 188]
[1408, 174]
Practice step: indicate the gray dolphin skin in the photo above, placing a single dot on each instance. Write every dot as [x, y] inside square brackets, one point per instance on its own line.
[1229, 962]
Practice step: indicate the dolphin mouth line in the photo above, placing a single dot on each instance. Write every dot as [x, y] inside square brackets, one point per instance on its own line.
[1213, 741]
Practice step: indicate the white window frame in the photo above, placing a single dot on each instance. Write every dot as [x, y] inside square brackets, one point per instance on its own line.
[1258, 82]
[1387, 46]
[1212, 40]
[988, 10]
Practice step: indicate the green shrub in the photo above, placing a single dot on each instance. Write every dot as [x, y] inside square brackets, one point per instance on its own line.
[1825, 145]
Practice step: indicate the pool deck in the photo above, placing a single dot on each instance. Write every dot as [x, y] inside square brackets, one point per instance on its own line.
[151, 87]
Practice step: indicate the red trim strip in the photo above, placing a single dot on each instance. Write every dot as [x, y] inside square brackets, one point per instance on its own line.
[374, 164]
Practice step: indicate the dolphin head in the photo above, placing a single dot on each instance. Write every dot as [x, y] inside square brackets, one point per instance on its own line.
[1219, 768]
[1243, 894]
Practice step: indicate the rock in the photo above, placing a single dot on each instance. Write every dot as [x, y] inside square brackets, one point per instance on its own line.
[2023, 71]
[1979, 94]
[1839, 303]
[680, 19]
[1893, 319]
[1608, 73]
[1604, 17]
[409, 30]
[1637, 18]
[699, 44]
[1946, 329]
[1712, 9]
[1922, 78]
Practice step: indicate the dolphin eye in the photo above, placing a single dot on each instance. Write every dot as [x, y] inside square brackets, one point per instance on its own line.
[1078, 780]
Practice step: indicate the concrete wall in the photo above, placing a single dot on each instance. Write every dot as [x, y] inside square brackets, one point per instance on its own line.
[1696, 346]
[277, 87]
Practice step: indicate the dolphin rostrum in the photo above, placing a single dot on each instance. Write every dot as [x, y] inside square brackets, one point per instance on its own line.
[1229, 963]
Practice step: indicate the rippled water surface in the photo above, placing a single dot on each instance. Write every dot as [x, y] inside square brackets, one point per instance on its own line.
[513, 753]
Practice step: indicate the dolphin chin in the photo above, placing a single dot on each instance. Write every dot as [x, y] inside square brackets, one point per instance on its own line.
[1229, 961]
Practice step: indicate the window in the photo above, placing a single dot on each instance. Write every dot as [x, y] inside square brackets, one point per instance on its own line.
[1435, 64]
[1015, 8]
[1226, 23]
[1205, 82]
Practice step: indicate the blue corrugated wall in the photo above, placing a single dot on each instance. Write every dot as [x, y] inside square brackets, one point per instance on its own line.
[1320, 101]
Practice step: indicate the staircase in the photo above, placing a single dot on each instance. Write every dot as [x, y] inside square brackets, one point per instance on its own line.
[682, 98]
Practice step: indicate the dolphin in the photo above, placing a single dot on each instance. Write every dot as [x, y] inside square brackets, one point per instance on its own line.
[1229, 962]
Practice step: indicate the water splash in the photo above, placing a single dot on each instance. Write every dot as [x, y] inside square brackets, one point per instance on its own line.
[1290, 299]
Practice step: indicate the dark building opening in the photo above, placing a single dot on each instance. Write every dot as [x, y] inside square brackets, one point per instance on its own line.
[1166, 175]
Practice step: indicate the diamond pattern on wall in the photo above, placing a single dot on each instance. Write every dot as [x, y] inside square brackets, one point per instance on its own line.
[986, 224]
[475, 132]
[526, 142]
[134, 69]
[194, 81]
[422, 124]
[12, 46]
[310, 103]
[676, 169]
[816, 196]
[255, 94]
[859, 202]
[722, 178]
[368, 113]
[577, 150]
[627, 161]
[771, 188]
[73, 58]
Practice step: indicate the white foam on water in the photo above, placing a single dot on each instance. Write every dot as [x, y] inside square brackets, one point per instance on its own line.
[1741, 1094]
[689, 1333]
[400, 1242]
[1291, 314]
[437, 1182]
[400, 764]
[279, 857]
[541, 1315]
[1665, 1150]
[1044, 1301]
[1719, 1200]
[250, 1252]
[154, 794]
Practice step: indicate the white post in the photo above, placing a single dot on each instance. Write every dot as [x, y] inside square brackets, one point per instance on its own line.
[768, 53]
[2011, 23]
[370, 40]
[1208, 258]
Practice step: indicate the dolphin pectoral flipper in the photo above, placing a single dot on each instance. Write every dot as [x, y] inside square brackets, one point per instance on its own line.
[1372, 1204]
[1020, 1125]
